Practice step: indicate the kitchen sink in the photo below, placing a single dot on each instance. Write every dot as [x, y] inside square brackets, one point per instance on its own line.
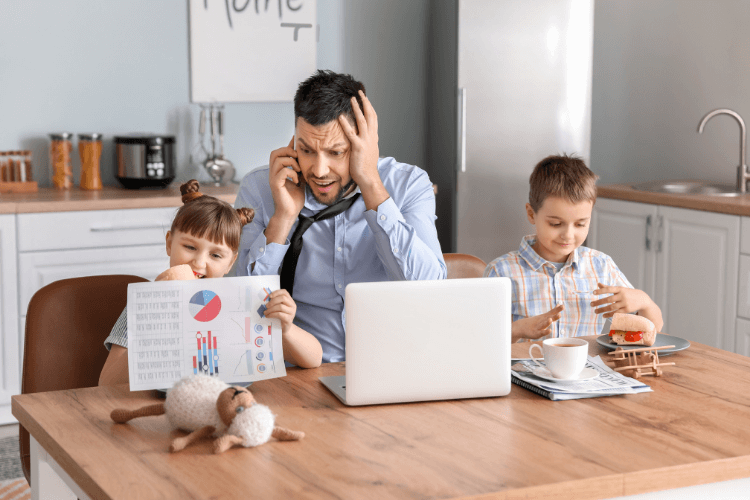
[689, 187]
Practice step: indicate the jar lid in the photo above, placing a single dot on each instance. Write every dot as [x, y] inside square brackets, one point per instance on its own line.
[61, 136]
[147, 139]
[90, 137]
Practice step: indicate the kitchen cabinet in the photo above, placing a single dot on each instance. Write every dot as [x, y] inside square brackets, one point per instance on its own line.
[687, 260]
[10, 373]
[52, 246]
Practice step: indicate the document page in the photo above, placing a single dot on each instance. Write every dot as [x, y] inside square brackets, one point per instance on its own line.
[211, 326]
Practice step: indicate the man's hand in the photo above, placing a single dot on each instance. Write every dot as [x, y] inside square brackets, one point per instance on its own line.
[363, 157]
[535, 326]
[288, 195]
[281, 306]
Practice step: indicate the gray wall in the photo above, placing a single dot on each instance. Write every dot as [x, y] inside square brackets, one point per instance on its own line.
[117, 67]
[659, 67]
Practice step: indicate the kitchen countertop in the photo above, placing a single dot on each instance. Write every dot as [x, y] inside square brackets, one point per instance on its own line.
[734, 205]
[109, 198]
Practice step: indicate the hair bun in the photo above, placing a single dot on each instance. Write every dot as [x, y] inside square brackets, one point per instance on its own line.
[246, 215]
[190, 191]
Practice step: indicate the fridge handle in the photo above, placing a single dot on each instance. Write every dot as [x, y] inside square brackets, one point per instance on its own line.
[462, 128]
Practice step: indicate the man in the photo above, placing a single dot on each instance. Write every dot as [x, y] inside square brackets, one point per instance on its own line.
[364, 218]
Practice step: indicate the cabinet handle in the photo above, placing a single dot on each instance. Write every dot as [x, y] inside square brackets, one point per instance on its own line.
[103, 229]
[648, 233]
[462, 128]
[660, 234]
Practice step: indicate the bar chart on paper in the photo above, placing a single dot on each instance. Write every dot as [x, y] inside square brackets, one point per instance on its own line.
[206, 361]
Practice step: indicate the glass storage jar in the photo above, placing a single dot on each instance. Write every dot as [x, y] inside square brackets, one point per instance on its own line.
[90, 149]
[59, 152]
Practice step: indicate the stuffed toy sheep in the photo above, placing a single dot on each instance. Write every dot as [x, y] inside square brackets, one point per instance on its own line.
[206, 406]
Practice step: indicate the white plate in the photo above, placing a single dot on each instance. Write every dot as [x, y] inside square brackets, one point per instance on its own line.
[586, 374]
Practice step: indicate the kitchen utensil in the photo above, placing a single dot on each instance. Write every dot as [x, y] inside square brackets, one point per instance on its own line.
[218, 167]
[145, 160]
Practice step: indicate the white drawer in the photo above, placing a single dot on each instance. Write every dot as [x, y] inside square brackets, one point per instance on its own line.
[93, 229]
[37, 269]
[745, 235]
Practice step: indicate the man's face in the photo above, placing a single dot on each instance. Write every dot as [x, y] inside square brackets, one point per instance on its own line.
[323, 157]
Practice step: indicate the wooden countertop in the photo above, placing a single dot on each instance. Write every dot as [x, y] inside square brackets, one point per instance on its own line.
[109, 198]
[694, 428]
[735, 205]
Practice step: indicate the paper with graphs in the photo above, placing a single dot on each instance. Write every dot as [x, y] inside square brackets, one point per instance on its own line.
[211, 326]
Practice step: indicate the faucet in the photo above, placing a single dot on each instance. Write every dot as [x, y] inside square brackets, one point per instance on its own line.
[742, 172]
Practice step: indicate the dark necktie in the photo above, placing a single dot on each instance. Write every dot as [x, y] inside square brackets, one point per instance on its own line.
[289, 266]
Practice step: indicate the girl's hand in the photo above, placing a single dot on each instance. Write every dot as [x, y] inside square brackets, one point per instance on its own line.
[281, 306]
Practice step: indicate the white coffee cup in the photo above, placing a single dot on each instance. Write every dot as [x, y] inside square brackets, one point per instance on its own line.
[565, 357]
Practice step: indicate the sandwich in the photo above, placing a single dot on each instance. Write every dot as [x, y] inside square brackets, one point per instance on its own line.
[629, 329]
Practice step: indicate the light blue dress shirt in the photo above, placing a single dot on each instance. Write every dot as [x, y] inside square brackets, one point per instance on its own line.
[396, 242]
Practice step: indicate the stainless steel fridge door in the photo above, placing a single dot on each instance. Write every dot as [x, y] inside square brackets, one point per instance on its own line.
[524, 77]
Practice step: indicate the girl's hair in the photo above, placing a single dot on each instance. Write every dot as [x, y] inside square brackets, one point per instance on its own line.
[207, 217]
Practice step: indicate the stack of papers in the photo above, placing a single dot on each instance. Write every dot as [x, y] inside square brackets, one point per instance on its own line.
[608, 383]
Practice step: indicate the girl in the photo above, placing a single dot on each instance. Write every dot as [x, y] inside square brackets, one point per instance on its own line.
[205, 234]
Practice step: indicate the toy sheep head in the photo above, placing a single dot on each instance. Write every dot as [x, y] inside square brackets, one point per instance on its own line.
[233, 401]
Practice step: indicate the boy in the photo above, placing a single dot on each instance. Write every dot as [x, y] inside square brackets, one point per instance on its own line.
[551, 267]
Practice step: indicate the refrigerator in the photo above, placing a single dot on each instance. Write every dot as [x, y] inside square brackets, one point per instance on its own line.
[509, 84]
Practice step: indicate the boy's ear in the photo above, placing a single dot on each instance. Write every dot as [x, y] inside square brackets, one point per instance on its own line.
[169, 243]
[530, 213]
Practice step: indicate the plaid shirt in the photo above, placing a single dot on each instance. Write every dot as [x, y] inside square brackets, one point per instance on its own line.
[539, 287]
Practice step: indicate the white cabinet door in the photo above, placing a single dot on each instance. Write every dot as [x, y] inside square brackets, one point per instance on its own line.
[697, 255]
[37, 269]
[624, 231]
[743, 337]
[743, 290]
[10, 368]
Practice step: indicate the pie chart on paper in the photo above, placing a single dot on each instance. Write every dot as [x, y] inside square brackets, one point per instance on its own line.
[204, 305]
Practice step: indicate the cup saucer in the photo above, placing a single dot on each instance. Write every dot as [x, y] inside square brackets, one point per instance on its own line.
[586, 374]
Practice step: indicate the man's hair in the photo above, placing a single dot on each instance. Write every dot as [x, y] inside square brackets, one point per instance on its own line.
[562, 176]
[325, 96]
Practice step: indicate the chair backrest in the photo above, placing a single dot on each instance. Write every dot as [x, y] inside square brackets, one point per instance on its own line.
[66, 324]
[463, 265]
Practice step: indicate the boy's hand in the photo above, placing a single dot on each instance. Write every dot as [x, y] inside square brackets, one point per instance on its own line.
[623, 300]
[281, 306]
[535, 326]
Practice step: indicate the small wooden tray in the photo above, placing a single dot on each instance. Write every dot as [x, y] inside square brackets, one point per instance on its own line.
[18, 187]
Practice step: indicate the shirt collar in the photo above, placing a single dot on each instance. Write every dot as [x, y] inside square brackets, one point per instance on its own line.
[528, 254]
[314, 205]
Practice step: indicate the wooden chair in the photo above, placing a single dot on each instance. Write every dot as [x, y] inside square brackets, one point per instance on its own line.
[66, 324]
[463, 265]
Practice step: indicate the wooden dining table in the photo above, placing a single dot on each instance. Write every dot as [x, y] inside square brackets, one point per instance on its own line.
[694, 428]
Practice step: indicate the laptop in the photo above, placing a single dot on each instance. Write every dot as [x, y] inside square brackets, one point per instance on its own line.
[412, 341]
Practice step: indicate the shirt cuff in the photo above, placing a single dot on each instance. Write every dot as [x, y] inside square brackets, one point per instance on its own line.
[267, 256]
[385, 217]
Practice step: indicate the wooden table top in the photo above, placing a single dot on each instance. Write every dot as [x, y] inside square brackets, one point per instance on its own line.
[693, 429]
